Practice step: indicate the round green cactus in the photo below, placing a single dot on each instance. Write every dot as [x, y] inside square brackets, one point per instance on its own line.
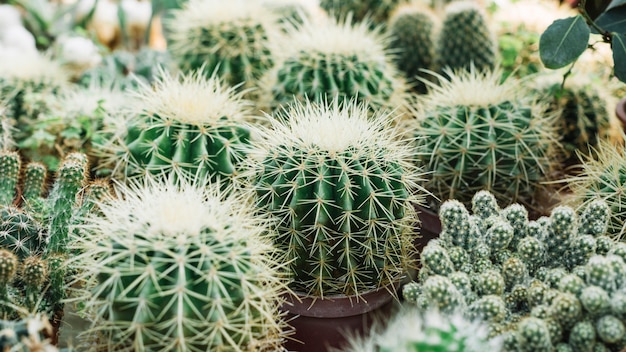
[186, 125]
[341, 186]
[229, 38]
[413, 30]
[182, 267]
[475, 132]
[376, 11]
[323, 60]
[533, 335]
[475, 48]
[20, 233]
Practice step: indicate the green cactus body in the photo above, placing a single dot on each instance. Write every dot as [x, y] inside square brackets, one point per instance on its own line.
[413, 30]
[533, 335]
[484, 204]
[342, 200]
[10, 164]
[486, 137]
[582, 337]
[376, 11]
[610, 329]
[489, 308]
[476, 47]
[8, 270]
[34, 272]
[182, 268]
[189, 125]
[20, 233]
[353, 65]
[34, 182]
[228, 38]
[436, 259]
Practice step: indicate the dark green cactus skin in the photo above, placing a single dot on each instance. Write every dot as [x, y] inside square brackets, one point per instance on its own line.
[318, 76]
[34, 181]
[342, 224]
[10, 164]
[503, 148]
[20, 233]
[465, 39]
[412, 43]
[376, 11]
[205, 151]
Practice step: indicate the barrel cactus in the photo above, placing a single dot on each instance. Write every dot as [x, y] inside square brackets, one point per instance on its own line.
[231, 38]
[475, 132]
[413, 30]
[475, 47]
[320, 60]
[341, 189]
[376, 11]
[181, 267]
[185, 124]
[548, 290]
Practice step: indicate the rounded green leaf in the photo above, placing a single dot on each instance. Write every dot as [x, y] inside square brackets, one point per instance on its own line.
[563, 41]
[619, 56]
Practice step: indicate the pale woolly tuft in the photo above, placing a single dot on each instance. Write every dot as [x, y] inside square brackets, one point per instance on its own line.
[331, 127]
[471, 88]
[84, 101]
[208, 13]
[330, 36]
[193, 99]
[27, 66]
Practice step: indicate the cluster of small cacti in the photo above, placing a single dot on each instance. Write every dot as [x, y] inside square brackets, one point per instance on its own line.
[341, 188]
[31, 334]
[552, 283]
[181, 267]
[474, 132]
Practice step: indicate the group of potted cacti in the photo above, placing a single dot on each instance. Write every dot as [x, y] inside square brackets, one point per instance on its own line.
[386, 175]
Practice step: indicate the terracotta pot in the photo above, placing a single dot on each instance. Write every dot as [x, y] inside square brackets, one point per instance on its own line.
[322, 325]
[620, 111]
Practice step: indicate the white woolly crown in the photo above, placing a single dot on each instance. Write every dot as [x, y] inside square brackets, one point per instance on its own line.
[31, 66]
[193, 99]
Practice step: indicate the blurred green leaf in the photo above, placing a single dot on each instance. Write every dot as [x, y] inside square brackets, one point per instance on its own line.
[563, 41]
[619, 56]
[613, 20]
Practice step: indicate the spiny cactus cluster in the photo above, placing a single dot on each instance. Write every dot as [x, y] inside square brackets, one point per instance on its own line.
[321, 60]
[375, 11]
[555, 282]
[466, 38]
[474, 132]
[411, 330]
[181, 267]
[341, 189]
[231, 38]
[27, 335]
[413, 32]
[186, 124]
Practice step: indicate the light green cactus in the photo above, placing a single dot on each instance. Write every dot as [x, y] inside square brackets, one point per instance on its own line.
[10, 165]
[533, 335]
[376, 11]
[182, 267]
[341, 186]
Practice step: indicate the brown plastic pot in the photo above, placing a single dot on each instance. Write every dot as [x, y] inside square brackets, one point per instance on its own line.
[322, 325]
[430, 226]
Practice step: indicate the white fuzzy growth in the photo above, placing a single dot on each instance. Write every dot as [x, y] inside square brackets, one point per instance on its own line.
[78, 51]
[209, 13]
[17, 38]
[84, 101]
[31, 66]
[332, 37]
[9, 17]
[330, 127]
[193, 99]
[471, 88]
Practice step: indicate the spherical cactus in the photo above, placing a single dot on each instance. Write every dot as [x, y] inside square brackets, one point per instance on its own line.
[514, 271]
[376, 11]
[490, 282]
[582, 337]
[594, 219]
[476, 47]
[341, 187]
[601, 273]
[411, 291]
[442, 294]
[324, 60]
[10, 164]
[566, 309]
[456, 228]
[532, 251]
[20, 233]
[533, 335]
[228, 38]
[484, 204]
[573, 284]
[465, 154]
[436, 259]
[489, 308]
[188, 125]
[181, 267]
[499, 236]
[581, 248]
[561, 228]
[413, 30]
[610, 329]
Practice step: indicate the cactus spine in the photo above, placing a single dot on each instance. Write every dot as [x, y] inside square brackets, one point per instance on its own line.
[340, 188]
[182, 268]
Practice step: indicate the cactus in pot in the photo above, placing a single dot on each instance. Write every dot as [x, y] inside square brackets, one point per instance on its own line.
[186, 124]
[181, 267]
[341, 189]
[231, 38]
[474, 131]
[319, 60]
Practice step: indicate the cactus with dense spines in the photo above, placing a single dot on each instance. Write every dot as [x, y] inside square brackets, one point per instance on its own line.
[21, 233]
[413, 31]
[188, 125]
[533, 336]
[320, 61]
[10, 164]
[34, 182]
[376, 11]
[341, 186]
[229, 38]
[474, 132]
[572, 294]
[27, 335]
[182, 267]
[476, 48]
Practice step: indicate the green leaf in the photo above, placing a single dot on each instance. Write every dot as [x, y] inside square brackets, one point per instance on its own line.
[563, 41]
[613, 20]
[619, 56]
[616, 3]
